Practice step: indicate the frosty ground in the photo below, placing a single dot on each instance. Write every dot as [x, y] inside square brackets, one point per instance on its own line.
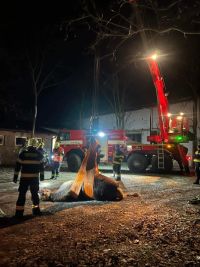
[153, 226]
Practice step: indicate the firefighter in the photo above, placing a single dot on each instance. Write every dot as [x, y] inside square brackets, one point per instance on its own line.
[118, 157]
[30, 163]
[43, 151]
[57, 158]
[197, 164]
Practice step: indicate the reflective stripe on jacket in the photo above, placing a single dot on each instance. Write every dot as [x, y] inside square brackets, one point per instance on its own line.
[30, 163]
[118, 157]
[197, 156]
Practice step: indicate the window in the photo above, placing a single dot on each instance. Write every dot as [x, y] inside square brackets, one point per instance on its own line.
[64, 136]
[20, 141]
[135, 137]
[1, 140]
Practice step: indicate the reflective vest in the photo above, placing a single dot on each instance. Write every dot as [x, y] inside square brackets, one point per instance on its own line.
[58, 154]
[197, 156]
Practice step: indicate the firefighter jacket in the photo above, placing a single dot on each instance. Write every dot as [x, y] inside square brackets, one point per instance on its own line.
[118, 157]
[197, 156]
[58, 154]
[30, 163]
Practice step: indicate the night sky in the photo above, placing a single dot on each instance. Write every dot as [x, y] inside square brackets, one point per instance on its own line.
[30, 33]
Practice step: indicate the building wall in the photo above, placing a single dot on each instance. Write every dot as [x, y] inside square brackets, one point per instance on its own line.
[139, 120]
[9, 150]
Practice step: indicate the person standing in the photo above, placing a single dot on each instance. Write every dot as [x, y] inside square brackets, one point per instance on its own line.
[118, 157]
[197, 164]
[57, 158]
[30, 164]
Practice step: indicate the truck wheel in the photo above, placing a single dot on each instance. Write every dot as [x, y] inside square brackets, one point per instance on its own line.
[74, 162]
[137, 163]
[168, 163]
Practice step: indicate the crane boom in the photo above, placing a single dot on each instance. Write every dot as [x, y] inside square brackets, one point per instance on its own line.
[162, 103]
[174, 129]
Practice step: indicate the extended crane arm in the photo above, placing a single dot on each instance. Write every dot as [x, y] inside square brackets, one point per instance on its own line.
[162, 102]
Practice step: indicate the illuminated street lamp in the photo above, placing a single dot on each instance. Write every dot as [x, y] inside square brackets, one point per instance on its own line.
[154, 56]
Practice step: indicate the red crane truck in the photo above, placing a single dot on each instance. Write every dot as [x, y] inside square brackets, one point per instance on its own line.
[165, 146]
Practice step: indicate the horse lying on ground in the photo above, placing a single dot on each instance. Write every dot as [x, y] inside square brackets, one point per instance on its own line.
[104, 189]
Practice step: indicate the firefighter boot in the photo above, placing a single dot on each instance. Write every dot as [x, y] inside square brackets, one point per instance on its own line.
[19, 214]
[36, 211]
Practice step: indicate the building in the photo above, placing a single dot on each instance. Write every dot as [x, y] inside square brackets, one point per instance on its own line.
[12, 140]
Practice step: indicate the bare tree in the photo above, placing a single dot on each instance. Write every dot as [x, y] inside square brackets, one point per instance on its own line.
[121, 22]
[116, 95]
[124, 20]
[44, 66]
[41, 79]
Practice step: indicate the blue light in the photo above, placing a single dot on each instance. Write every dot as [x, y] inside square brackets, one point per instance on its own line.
[101, 134]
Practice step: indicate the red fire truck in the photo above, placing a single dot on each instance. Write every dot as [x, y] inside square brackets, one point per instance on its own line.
[165, 146]
[74, 143]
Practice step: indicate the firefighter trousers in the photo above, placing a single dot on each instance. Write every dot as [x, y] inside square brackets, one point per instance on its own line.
[24, 185]
[117, 170]
[55, 168]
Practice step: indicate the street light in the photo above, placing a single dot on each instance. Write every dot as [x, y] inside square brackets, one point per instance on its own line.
[154, 56]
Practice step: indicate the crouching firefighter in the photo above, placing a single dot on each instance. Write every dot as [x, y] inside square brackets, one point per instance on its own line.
[30, 163]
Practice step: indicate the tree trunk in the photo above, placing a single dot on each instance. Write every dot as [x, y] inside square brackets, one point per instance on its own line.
[35, 111]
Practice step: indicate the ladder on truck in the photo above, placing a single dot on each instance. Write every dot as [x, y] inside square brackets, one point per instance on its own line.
[161, 157]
